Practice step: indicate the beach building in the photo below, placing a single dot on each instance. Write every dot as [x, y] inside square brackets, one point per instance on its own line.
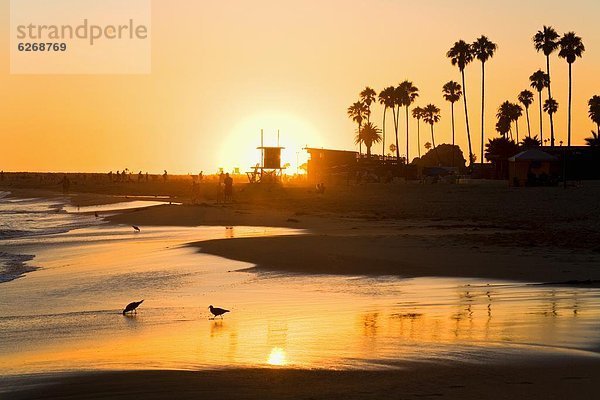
[533, 167]
[325, 164]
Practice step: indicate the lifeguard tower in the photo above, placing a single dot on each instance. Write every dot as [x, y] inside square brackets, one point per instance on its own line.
[269, 170]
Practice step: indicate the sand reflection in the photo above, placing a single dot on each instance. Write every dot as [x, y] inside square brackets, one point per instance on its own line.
[275, 320]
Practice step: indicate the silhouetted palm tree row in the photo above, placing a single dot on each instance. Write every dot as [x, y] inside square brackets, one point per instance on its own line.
[461, 54]
[570, 47]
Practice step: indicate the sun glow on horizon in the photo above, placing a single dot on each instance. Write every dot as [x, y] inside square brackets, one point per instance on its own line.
[239, 147]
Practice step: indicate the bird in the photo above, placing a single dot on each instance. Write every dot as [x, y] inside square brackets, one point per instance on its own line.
[217, 312]
[132, 306]
[96, 214]
[136, 228]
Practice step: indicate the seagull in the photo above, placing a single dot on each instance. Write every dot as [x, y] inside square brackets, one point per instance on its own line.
[132, 306]
[136, 228]
[217, 311]
[96, 214]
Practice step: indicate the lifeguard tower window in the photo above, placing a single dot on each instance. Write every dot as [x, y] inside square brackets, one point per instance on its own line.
[272, 157]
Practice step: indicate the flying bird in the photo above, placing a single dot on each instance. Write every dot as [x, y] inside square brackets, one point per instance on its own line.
[217, 312]
[136, 228]
[132, 306]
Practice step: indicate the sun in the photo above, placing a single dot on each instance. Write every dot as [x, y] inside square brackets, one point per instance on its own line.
[277, 356]
[238, 148]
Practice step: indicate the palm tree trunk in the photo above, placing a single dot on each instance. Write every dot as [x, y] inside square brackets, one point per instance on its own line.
[452, 113]
[383, 133]
[482, 107]
[467, 117]
[419, 136]
[528, 125]
[359, 141]
[434, 146]
[517, 129]
[396, 123]
[541, 120]
[569, 126]
[407, 157]
[550, 96]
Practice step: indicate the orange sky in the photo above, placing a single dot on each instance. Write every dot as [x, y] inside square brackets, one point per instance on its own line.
[222, 70]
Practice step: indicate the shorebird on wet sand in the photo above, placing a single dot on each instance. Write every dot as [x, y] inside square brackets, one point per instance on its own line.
[217, 312]
[136, 228]
[131, 307]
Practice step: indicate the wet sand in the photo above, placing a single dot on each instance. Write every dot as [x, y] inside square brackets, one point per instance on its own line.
[496, 233]
[556, 379]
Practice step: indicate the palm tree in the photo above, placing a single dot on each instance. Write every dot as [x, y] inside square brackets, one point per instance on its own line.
[367, 97]
[571, 47]
[516, 111]
[452, 92]
[529, 142]
[357, 113]
[369, 134]
[460, 55]
[427, 145]
[594, 140]
[431, 115]
[483, 49]
[550, 106]
[398, 102]
[504, 115]
[546, 41]
[408, 93]
[526, 98]
[594, 111]
[417, 113]
[539, 80]
[386, 98]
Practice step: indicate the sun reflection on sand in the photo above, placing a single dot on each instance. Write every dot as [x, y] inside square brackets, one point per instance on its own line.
[277, 357]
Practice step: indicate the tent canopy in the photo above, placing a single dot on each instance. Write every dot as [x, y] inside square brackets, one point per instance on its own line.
[532, 155]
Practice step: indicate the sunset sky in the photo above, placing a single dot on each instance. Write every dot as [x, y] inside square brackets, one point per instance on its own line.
[223, 70]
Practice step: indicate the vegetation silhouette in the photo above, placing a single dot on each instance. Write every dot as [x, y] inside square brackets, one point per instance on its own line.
[452, 92]
[526, 98]
[546, 41]
[483, 49]
[460, 55]
[571, 47]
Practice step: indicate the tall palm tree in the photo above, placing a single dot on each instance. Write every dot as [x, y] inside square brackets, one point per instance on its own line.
[408, 93]
[526, 98]
[483, 49]
[367, 97]
[571, 47]
[386, 98]
[357, 112]
[452, 92]
[546, 41]
[369, 135]
[417, 113]
[460, 54]
[431, 116]
[540, 80]
[550, 106]
[594, 111]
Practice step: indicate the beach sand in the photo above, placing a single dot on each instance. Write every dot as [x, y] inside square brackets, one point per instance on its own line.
[533, 235]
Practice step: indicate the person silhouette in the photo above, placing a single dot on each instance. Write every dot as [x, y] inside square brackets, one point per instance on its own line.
[228, 187]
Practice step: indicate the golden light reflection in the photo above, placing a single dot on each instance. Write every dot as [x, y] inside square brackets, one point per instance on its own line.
[277, 357]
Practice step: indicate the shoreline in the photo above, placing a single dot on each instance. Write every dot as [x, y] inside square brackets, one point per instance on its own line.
[555, 378]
